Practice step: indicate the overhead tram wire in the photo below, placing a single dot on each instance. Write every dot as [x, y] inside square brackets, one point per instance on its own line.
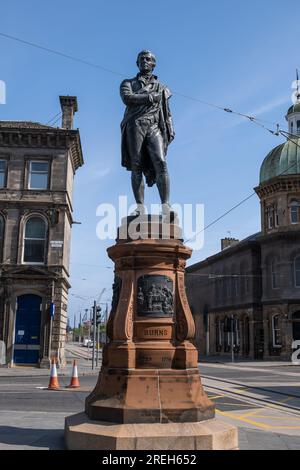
[222, 108]
[105, 69]
[62, 54]
[277, 133]
[251, 118]
[56, 117]
[56, 120]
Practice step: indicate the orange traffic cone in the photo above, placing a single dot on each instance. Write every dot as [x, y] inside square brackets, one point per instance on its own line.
[53, 384]
[74, 380]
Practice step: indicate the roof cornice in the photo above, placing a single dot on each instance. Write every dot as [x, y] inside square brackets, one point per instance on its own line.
[43, 137]
[277, 184]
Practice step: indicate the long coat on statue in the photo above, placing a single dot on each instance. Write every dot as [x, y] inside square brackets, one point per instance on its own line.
[135, 94]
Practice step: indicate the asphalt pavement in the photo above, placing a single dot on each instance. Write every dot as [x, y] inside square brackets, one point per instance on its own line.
[261, 399]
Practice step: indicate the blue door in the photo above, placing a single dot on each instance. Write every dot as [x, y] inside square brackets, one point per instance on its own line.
[27, 329]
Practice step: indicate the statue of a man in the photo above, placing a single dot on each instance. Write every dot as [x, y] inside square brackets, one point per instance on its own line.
[147, 130]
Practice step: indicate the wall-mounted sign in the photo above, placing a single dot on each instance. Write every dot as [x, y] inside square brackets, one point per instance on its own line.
[56, 243]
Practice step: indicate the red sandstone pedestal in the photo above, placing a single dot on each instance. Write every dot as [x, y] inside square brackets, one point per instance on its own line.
[149, 372]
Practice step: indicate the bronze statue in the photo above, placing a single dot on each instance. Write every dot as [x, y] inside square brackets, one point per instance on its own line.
[147, 130]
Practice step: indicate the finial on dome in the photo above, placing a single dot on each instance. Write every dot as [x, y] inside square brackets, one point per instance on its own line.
[297, 86]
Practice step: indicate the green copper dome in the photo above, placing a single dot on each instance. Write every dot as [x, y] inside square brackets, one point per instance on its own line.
[295, 108]
[282, 160]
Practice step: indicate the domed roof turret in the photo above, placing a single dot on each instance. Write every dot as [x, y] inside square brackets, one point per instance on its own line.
[295, 108]
[281, 161]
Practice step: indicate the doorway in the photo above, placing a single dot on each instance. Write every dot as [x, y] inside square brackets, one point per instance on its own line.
[27, 329]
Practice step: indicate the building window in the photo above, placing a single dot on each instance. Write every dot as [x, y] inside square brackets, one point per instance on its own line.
[38, 175]
[274, 274]
[235, 285]
[2, 173]
[35, 241]
[219, 339]
[276, 331]
[292, 127]
[1, 237]
[246, 336]
[247, 284]
[270, 217]
[236, 330]
[298, 126]
[276, 217]
[227, 334]
[294, 212]
[297, 271]
[228, 286]
[217, 289]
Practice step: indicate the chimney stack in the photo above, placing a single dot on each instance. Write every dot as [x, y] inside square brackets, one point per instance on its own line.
[69, 107]
[227, 242]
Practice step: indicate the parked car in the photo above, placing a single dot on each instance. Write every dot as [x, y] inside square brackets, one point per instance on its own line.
[88, 343]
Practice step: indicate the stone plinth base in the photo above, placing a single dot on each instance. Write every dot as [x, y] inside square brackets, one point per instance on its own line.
[83, 434]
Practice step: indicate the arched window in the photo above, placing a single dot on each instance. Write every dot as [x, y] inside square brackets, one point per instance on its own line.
[297, 271]
[274, 274]
[294, 212]
[276, 334]
[35, 238]
[227, 334]
[1, 237]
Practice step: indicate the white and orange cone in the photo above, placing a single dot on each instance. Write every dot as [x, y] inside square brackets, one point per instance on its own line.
[74, 380]
[53, 383]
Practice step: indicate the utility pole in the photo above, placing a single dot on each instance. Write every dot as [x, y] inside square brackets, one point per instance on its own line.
[97, 357]
[90, 320]
[106, 318]
[94, 333]
[80, 330]
[74, 328]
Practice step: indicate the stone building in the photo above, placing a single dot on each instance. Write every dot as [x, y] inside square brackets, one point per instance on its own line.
[37, 166]
[247, 296]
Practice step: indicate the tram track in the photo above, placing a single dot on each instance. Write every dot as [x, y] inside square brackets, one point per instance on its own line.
[241, 395]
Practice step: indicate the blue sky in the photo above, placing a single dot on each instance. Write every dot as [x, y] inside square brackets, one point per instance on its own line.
[237, 54]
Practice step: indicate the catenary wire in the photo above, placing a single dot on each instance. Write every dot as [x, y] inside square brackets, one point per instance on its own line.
[105, 69]
[251, 118]
[277, 133]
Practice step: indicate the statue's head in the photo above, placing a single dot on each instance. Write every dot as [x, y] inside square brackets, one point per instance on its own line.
[146, 61]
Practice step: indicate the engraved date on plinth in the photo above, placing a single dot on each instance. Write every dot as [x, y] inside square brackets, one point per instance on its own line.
[154, 359]
[155, 296]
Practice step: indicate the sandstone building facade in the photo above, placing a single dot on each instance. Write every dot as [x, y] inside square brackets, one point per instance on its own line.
[247, 297]
[37, 166]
